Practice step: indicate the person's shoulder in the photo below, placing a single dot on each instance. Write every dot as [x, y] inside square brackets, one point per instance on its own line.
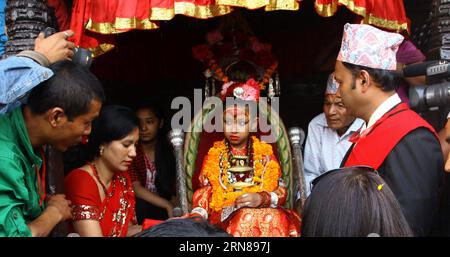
[6, 125]
[356, 125]
[10, 152]
[318, 121]
[81, 173]
[358, 121]
[421, 135]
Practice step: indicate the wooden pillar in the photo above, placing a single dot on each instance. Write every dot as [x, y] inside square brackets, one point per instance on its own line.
[24, 20]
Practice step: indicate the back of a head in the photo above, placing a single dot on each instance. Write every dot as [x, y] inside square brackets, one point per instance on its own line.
[184, 227]
[353, 202]
[72, 88]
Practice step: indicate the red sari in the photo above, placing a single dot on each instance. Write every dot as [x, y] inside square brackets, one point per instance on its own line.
[114, 213]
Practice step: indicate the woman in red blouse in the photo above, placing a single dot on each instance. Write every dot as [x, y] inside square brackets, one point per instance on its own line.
[101, 191]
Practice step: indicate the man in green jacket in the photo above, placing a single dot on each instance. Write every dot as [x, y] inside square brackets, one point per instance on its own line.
[58, 112]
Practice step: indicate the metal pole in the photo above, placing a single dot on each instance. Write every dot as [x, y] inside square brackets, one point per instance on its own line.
[297, 136]
[176, 138]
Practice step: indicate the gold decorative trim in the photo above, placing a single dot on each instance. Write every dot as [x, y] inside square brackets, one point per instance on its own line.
[391, 24]
[189, 9]
[101, 49]
[288, 5]
[120, 25]
[327, 10]
[350, 4]
[249, 4]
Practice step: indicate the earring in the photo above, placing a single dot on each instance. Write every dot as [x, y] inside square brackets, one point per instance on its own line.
[101, 150]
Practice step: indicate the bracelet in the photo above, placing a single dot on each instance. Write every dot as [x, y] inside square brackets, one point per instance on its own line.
[202, 212]
[266, 199]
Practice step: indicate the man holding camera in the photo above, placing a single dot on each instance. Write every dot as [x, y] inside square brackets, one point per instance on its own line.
[394, 140]
[59, 104]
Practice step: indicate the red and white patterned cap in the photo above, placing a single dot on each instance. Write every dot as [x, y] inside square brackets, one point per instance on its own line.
[368, 46]
[332, 85]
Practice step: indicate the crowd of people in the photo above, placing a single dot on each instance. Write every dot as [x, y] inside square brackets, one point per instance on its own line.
[372, 165]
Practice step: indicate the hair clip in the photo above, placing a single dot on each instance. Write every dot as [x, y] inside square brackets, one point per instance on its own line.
[380, 187]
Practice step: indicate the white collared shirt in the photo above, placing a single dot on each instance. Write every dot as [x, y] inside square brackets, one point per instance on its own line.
[324, 148]
[386, 106]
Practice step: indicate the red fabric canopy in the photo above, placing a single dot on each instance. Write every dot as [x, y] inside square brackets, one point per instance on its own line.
[96, 21]
[385, 14]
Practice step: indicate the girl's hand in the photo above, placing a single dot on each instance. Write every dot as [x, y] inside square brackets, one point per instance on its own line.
[252, 200]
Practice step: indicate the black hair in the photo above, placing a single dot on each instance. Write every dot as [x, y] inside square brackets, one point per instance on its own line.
[387, 80]
[184, 227]
[72, 88]
[164, 158]
[114, 123]
[351, 202]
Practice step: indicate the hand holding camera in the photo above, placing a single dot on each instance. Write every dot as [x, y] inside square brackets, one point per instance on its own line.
[56, 47]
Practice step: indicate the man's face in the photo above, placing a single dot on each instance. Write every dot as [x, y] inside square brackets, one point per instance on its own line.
[69, 133]
[335, 112]
[349, 95]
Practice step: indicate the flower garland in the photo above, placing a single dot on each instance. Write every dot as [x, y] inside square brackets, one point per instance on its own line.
[265, 176]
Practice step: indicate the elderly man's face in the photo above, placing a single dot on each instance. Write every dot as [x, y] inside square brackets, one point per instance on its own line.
[335, 112]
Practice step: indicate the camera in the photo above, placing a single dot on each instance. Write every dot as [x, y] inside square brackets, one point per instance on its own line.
[81, 56]
[436, 93]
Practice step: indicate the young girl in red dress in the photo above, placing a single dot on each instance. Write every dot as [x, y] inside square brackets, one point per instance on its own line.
[242, 189]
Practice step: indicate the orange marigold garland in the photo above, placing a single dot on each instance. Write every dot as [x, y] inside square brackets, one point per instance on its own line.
[265, 177]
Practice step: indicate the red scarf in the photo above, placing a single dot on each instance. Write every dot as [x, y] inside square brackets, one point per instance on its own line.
[375, 143]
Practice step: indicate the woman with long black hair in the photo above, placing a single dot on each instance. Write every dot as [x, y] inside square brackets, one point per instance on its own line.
[153, 170]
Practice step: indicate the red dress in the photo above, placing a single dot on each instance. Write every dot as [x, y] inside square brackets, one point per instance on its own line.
[247, 222]
[114, 213]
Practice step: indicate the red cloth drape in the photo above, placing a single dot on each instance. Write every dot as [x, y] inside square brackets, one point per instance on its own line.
[387, 14]
[60, 13]
[95, 21]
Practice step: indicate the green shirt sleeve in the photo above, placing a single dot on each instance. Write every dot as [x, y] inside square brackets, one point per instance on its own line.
[13, 198]
[13, 224]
